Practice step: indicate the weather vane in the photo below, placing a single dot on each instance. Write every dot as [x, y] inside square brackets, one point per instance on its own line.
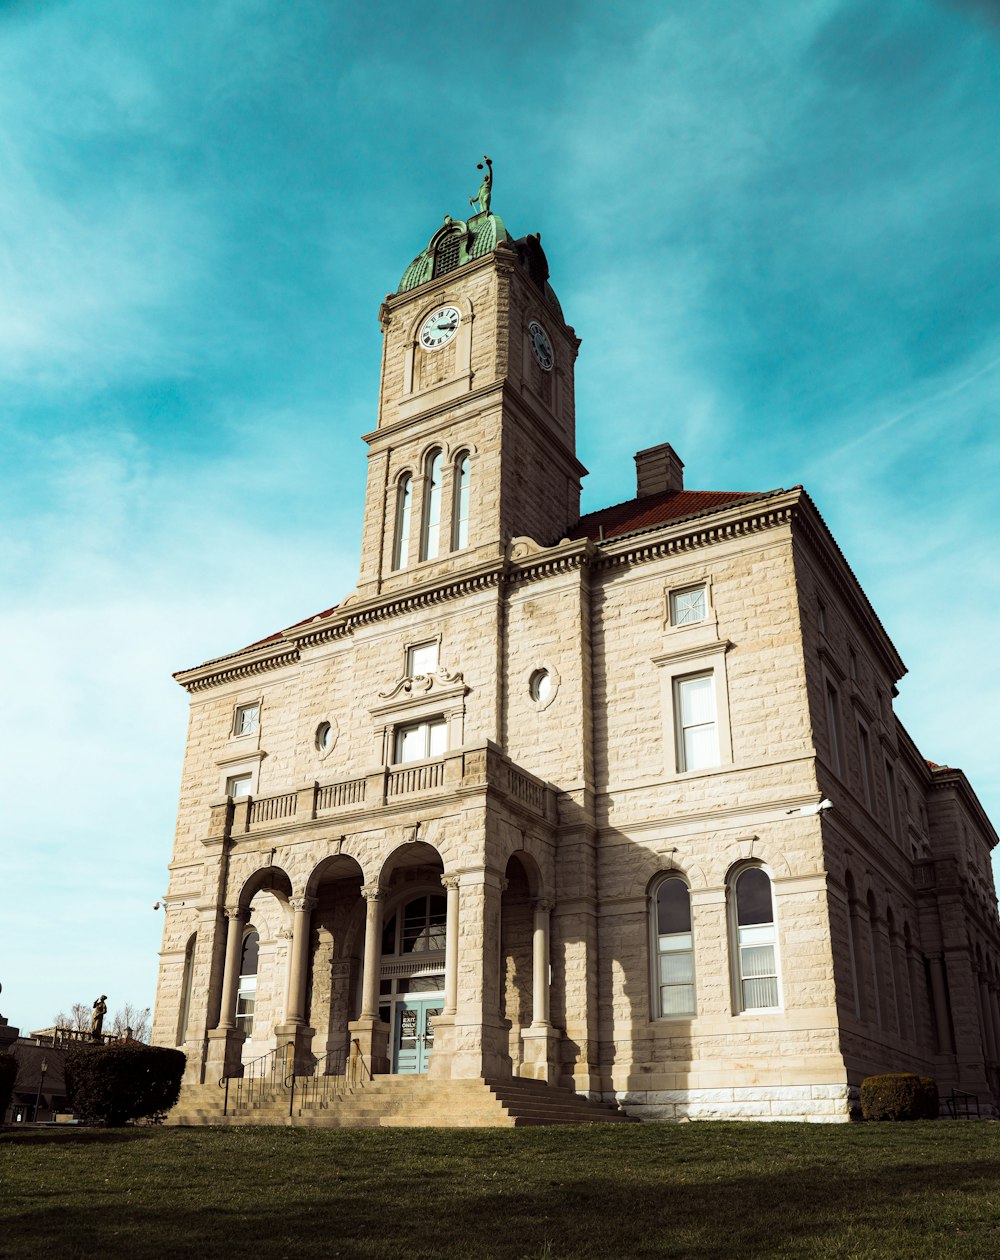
[485, 188]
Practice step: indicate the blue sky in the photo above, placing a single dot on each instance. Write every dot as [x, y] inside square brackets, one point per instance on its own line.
[775, 227]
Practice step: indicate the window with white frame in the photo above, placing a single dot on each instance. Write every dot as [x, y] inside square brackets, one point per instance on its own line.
[460, 506]
[756, 941]
[688, 606]
[246, 719]
[696, 722]
[246, 996]
[419, 740]
[674, 949]
[404, 506]
[430, 529]
[421, 659]
[239, 785]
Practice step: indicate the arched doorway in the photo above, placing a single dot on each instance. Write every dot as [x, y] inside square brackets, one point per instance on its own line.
[517, 914]
[412, 962]
[336, 947]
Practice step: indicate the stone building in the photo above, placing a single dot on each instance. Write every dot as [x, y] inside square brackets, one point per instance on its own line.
[615, 802]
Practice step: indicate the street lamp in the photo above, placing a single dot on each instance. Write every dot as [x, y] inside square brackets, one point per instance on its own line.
[43, 1067]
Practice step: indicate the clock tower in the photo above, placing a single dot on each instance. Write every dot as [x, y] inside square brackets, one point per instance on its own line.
[475, 440]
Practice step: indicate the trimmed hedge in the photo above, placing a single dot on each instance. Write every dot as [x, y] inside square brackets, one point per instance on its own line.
[113, 1084]
[899, 1096]
[8, 1075]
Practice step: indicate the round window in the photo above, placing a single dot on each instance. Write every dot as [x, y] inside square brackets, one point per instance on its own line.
[540, 686]
[324, 737]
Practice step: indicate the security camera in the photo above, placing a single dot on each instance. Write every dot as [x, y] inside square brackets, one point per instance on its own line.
[823, 806]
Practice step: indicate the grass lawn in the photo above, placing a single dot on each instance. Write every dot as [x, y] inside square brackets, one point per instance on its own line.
[709, 1191]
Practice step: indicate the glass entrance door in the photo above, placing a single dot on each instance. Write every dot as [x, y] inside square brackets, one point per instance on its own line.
[413, 1035]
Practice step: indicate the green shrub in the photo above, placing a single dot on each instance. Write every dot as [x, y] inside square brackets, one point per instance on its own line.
[113, 1084]
[899, 1096]
[8, 1075]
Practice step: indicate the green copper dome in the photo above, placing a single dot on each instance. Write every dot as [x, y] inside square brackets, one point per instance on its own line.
[457, 243]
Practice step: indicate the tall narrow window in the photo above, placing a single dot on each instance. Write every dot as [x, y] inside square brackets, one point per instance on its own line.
[460, 508]
[833, 726]
[404, 504]
[674, 949]
[187, 983]
[430, 530]
[247, 992]
[890, 791]
[865, 756]
[695, 720]
[756, 941]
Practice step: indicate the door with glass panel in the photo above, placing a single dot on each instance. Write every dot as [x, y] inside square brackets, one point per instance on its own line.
[413, 1039]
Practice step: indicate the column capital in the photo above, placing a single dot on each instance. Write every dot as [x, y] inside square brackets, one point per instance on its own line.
[299, 904]
[233, 912]
[543, 903]
[451, 881]
[372, 892]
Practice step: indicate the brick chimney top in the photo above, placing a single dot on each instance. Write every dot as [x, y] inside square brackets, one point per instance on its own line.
[658, 468]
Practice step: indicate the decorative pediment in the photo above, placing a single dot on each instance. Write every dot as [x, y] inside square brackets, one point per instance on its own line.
[421, 684]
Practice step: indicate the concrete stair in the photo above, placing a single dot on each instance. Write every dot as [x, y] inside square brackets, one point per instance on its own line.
[406, 1101]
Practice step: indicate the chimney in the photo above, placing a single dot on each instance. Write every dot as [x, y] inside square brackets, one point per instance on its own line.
[657, 469]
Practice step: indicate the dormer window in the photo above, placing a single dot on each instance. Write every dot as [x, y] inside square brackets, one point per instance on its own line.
[448, 254]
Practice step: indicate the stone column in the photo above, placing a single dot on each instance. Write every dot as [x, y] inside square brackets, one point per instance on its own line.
[540, 1041]
[540, 966]
[451, 883]
[225, 1042]
[231, 974]
[369, 1034]
[294, 1032]
[939, 995]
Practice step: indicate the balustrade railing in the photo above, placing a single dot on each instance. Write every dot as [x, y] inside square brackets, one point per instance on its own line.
[525, 789]
[260, 1079]
[415, 778]
[337, 795]
[272, 808]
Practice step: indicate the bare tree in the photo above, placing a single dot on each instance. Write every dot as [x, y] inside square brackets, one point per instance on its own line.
[131, 1020]
[78, 1019]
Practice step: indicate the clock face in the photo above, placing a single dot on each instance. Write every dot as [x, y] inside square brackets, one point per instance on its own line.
[439, 327]
[541, 346]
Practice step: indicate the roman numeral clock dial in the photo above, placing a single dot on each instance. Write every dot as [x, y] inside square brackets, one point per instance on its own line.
[541, 346]
[439, 328]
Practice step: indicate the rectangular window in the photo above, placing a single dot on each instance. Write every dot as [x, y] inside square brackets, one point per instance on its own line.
[245, 1003]
[421, 740]
[833, 726]
[675, 957]
[688, 606]
[865, 756]
[821, 616]
[246, 719]
[695, 719]
[758, 967]
[238, 785]
[421, 659]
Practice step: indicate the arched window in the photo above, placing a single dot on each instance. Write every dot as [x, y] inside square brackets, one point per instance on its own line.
[460, 506]
[247, 992]
[854, 944]
[876, 961]
[756, 941]
[674, 948]
[187, 983]
[404, 504]
[430, 529]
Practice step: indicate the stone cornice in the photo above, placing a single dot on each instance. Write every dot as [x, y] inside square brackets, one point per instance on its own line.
[528, 561]
[842, 577]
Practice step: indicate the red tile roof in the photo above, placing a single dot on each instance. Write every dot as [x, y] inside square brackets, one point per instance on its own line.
[657, 509]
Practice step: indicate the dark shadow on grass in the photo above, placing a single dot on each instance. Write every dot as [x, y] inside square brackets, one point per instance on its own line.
[419, 1194]
[74, 1136]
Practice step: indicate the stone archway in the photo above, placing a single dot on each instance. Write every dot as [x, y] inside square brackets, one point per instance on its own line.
[334, 954]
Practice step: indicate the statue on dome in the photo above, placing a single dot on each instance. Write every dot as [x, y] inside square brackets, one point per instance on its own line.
[482, 197]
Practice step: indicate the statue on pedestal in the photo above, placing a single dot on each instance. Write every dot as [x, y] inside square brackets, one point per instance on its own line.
[485, 188]
[97, 1016]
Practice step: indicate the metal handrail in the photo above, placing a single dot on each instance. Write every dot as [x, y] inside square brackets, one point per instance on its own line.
[259, 1077]
[330, 1077]
[960, 1096]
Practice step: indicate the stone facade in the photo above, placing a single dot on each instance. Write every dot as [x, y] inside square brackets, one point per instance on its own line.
[669, 690]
